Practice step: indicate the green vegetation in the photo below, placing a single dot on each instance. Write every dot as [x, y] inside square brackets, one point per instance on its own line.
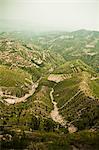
[94, 85]
[26, 62]
[66, 89]
[14, 80]
[75, 66]
[79, 109]
[49, 141]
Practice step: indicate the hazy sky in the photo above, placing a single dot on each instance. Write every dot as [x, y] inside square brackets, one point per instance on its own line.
[49, 14]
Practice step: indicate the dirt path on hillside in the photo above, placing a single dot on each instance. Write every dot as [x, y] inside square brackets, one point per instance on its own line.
[59, 118]
[70, 100]
[14, 100]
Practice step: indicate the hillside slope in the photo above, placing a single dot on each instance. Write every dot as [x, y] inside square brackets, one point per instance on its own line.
[49, 90]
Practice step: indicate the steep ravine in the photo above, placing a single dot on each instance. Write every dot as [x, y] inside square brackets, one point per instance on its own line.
[55, 113]
[59, 118]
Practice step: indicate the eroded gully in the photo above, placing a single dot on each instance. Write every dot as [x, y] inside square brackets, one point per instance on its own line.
[59, 118]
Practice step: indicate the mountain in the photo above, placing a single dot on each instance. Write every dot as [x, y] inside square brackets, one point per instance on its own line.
[49, 85]
[81, 44]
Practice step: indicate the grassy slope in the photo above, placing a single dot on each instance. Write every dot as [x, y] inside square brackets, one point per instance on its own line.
[65, 90]
[74, 66]
[81, 110]
[25, 115]
[29, 114]
[94, 85]
[14, 80]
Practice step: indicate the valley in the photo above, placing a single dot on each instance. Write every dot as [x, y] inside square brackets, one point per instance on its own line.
[49, 90]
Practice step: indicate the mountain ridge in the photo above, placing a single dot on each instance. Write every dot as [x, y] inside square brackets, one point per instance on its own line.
[37, 116]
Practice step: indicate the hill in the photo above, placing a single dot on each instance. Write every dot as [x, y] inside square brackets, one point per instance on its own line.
[49, 85]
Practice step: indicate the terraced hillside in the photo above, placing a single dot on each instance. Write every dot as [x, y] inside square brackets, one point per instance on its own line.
[49, 90]
[77, 101]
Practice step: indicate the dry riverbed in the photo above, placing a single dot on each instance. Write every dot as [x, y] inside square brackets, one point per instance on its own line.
[59, 118]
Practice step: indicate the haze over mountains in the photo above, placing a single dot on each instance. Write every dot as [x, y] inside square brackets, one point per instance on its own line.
[49, 75]
[49, 15]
